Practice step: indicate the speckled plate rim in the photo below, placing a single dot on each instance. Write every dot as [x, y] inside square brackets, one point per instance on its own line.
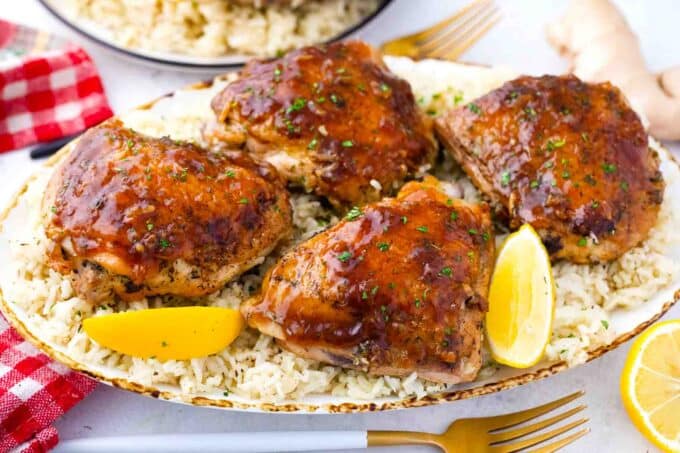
[174, 394]
[181, 61]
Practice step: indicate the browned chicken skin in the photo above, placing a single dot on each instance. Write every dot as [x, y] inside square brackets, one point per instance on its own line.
[133, 215]
[397, 287]
[331, 118]
[570, 158]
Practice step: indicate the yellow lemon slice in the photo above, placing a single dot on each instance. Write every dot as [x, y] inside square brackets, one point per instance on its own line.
[521, 300]
[650, 385]
[167, 333]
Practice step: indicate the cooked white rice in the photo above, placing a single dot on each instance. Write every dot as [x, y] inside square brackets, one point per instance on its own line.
[213, 28]
[254, 367]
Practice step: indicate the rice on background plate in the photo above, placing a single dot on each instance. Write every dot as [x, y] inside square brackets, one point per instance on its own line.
[254, 367]
[214, 28]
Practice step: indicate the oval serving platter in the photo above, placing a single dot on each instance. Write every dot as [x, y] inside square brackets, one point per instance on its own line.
[184, 62]
[171, 111]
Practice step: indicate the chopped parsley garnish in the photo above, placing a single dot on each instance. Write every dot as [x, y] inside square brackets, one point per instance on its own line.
[384, 87]
[605, 324]
[609, 168]
[296, 106]
[472, 232]
[347, 143]
[230, 173]
[554, 144]
[312, 144]
[417, 303]
[344, 256]
[404, 219]
[474, 108]
[164, 243]
[585, 137]
[383, 246]
[334, 99]
[446, 271]
[364, 295]
[566, 174]
[534, 184]
[595, 204]
[149, 225]
[505, 178]
[53, 209]
[582, 242]
[243, 201]
[449, 202]
[354, 213]
[590, 180]
[454, 215]
[624, 186]
[531, 113]
[485, 236]
[422, 229]
[374, 290]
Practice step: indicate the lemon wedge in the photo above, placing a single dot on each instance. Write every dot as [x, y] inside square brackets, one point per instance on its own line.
[650, 385]
[521, 300]
[167, 333]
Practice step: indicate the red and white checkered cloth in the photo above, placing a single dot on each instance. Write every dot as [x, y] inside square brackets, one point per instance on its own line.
[34, 391]
[49, 88]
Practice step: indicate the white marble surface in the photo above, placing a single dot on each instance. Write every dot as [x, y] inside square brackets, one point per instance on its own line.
[518, 41]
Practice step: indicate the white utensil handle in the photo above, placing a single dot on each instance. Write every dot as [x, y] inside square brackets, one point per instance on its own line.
[274, 441]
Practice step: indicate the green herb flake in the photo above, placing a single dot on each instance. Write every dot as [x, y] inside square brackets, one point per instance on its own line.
[605, 324]
[164, 243]
[149, 225]
[404, 220]
[53, 209]
[312, 144]
[384, 87]
[230, 173]
[422, 229]
[383, 246]
[624, 186]
[566, 174]
[446, 271]
[374, 290]
[364, 295]
[594, 204]
[505, 178]
[297, 105]
[454, 215]
[417, 303]
[534, 184]
[609, 168]
[243, 201]
[354, 213]
[347, 143]
[344, 256]
[472, 232]
[474, 108]
[582, 242]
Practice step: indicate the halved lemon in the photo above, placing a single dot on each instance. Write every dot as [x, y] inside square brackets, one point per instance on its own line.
[650, 385]
[176, 333]
[521, 300]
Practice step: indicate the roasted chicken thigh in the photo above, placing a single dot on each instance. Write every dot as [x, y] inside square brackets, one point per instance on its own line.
[397, 287]
[330, 118]
[132, 215]
[568, 157]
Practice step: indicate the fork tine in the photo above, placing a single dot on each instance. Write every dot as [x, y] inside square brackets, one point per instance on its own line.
[563, 442]
[461, 28]
[510, 420]
[452, 54]
[438, 27]
[517, 446]
[519, 432]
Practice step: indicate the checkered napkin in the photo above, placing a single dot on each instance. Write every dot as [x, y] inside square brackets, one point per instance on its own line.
[49, 88]
[34, 391]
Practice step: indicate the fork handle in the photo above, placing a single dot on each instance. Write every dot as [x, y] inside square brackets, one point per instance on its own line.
[219, 442]
[383, 438]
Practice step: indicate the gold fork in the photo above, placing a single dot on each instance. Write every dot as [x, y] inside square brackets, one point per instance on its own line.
[492, 434]
[449, 38]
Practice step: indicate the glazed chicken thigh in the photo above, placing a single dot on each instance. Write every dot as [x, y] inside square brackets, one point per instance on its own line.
[132, 215]
[397, 287]
[330, 118]
[568, 157]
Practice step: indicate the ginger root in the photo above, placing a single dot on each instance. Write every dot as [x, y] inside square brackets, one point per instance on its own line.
[595, 36]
